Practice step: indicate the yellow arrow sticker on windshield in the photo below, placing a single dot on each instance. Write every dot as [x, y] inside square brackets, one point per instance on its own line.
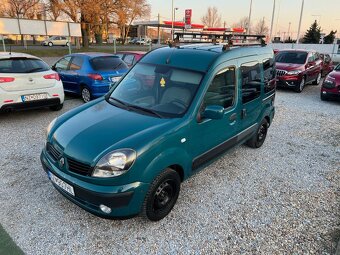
[162, 82]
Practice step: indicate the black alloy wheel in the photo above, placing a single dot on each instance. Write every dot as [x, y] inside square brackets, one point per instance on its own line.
[260, 136]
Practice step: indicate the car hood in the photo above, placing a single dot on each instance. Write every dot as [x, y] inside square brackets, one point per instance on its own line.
[335, 75]
[102, 127]
[289, 66]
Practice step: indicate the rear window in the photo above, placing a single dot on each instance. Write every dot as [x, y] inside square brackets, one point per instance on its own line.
[107, 63]
[296, 57]
[22, 65]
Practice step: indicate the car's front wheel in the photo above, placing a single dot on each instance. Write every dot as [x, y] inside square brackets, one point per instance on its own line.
[50, 44]
[162, 195]
[301, 85]
[67, 44]
[317, 80]
[323, 97]
[86, 94]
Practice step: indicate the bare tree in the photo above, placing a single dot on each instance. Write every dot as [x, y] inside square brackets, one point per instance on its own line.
[54, 9]
[243, 22]
[261, 28]
[16, 8]
[212, 18]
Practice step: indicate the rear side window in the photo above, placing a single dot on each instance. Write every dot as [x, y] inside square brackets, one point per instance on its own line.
[251, 81]
[128, 59]
[76, 63]
[22, 65]
[269, 75]
[107, 63]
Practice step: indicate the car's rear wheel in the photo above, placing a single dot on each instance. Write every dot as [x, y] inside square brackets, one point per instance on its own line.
[50, 44]
[301, 85]
[86, 94]
[317, 80]
[260, 136]
[67, 44]
[57, 107]
[162, 195]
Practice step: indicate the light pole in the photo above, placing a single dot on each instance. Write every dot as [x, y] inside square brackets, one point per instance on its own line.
[251, 4]
[172, 20]
[299, 29]
[271, 26]
[174, 11]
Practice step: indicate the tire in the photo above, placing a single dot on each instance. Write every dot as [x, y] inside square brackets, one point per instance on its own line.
[50, 44]
[162, 195]
[260, 136]
[67, 44]
[301, 85]
[57, 107]
[323, 97]
[317, 80]
[85, 94]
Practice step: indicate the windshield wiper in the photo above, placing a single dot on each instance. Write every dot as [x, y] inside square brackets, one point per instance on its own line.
[146, 110]
[126, 106]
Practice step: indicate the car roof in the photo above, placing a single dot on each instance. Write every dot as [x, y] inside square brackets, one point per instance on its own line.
[5, 55]
[132, 52]
[200, 57]
[297, 50]
[91, 54]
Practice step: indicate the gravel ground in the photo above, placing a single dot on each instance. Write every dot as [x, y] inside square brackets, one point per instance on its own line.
[283, 198]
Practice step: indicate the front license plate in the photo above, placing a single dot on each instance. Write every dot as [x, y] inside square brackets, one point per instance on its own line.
[33, 97]
[60, 183]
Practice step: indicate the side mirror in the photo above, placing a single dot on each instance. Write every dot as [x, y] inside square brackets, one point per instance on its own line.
[214, 112]
[53, 68]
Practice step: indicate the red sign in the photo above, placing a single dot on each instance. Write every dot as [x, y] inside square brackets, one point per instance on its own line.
[188, 14]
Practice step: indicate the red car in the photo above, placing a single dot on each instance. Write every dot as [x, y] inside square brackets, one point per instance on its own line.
[296, 68]
[130, 57]
[331, 86]
[327, 65]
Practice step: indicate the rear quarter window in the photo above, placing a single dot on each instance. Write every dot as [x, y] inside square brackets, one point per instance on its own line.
[107, 63]
[22, 65]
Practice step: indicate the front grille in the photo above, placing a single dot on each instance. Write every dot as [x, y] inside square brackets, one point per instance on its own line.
[280, 73]
[53, 152]
[79, 168]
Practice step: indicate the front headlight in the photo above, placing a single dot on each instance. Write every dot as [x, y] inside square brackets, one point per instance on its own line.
[295, 72]
[49, 127]
[115, 163]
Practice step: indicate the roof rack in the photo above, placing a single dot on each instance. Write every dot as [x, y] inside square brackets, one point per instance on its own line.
[227, 38]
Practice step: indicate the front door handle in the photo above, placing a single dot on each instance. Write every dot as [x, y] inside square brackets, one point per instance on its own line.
[243, 113]
[233, 117]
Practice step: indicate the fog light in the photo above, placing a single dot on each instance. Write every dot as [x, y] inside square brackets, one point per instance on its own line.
[105, 209]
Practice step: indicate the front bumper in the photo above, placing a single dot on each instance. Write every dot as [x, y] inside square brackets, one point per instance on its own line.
[331, 93]
[288, 81]
[125, 201]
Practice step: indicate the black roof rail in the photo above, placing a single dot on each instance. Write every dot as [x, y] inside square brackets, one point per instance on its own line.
[230, 39]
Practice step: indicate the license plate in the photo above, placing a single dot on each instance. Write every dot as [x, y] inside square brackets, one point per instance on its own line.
[60, 183]
[33, 97]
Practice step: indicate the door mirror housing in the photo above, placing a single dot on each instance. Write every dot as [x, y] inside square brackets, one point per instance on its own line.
[214, 112]
[53, 68]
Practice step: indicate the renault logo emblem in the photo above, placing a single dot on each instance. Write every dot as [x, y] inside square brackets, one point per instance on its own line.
[61, 162]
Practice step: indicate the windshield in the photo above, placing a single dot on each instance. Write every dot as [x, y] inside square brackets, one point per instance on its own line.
[107, 63]
[159, 90]
[337, 68]
[295, 57]
[22, 65]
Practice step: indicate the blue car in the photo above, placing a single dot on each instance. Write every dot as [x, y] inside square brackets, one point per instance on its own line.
[89, 75]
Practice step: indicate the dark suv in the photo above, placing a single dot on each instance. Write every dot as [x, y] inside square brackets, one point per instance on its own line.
[296, 68]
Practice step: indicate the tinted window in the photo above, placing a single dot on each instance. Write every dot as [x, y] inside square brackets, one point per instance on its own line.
[22, 65]
[316, 56]
[295, 57]
[107, 63]
[269, 75]
[76, 63]
[222, 89]
[62, 64]
[251, 81]
[129, 59]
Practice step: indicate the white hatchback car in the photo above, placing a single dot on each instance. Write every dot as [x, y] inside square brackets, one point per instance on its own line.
[28, 82]
[56, 40]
